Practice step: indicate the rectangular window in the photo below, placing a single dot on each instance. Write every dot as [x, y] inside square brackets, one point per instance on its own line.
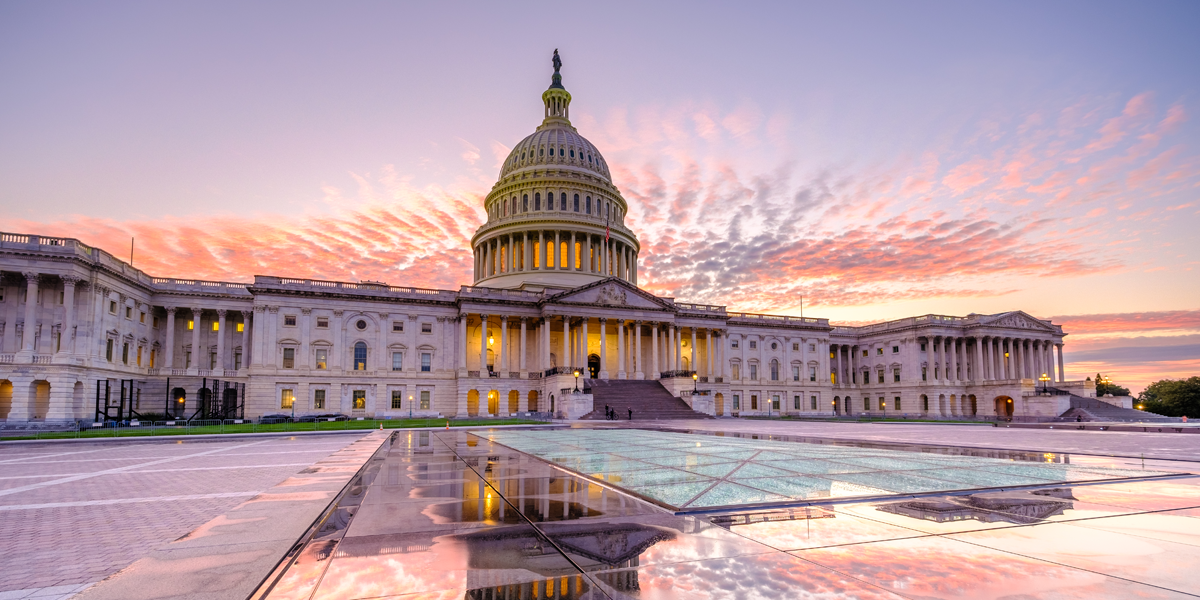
[922, 347]
[112, 307]
[191, 324]
[882, 404]
[142, 317]
[895, 349]
[796, 373]
[397, 399]
[896, 403]
[426, 362]
[187, 359]
[289, 320]
[426, 327]
[775, 402]
[753, 401]
[237, 360]
[880, 376]
[139, 356]
[425, 400]
[814, 402]
[212, 360]
[812, 347]
[397, 326]
[753, 344]
[241, 327]
[154, 322]
[796, 402]
[322, 322]
[879, 351]
[737, 402]
[125, 353]
[896, 375]
[733, 343]
[108, 351]
[322, 358]
[796, 347]
[128, 312]
[924, 373]
[812, 373]
[866, 353]
[286, 398]
[319, 399]
[753, 372]
[360, 399]
[289, 358]
[216, 325]
[737, 371]
[397, 361]
[866, 404]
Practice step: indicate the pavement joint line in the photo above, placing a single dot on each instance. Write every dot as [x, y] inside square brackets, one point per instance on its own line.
[34, 486]
[127, 501]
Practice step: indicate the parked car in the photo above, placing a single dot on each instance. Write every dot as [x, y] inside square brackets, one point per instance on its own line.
[271, 419]
[322, 417]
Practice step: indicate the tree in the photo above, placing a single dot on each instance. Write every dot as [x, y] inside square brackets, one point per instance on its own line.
[1103, 389]
[1172, 397]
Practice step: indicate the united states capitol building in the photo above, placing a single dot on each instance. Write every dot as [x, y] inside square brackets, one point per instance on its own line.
[85, 336]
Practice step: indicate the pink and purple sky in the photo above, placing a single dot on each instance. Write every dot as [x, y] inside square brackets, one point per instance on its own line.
[882, 159]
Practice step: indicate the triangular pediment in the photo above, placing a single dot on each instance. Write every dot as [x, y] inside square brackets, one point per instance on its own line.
[1018, 320]
[611, 292]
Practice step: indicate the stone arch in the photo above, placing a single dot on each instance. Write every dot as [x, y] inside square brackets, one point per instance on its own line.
[954, 408]
[514, 401]
[837, 405]
[6, 396]
[493, 402]
[720, 403]
[972, 405]
[77, 398]
[39, 395]
[473, 403]
[942, 408]
[593, 361]
[1004, 407]
[533, 400]
[924, 404]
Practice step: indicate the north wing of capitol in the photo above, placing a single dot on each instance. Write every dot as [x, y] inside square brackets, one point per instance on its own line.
[86, 336]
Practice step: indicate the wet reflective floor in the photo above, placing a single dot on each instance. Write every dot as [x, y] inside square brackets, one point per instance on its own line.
[451, 514]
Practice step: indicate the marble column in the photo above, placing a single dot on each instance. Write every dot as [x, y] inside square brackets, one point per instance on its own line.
[694, 367]
[220, 364]
[68, 328]
[524, 324]
[638, 360]
[462, 342]
[197, 356]
[30, 327]
[583, 348]
[502, 367]
[654, 372]
[622, 365]
[483, 335]
[603, 348]
[566, 343]
[245, 338]
[169, 351]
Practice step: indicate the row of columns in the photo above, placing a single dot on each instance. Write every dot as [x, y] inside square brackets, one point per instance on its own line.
[664, 341]
[197, 313]
[531, 251]
[957, 359]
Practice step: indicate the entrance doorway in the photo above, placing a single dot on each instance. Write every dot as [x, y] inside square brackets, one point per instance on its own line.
[720, 402]
[594, 366]
[1004, 407]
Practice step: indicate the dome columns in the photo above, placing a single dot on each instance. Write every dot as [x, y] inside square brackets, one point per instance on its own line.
[521, 253]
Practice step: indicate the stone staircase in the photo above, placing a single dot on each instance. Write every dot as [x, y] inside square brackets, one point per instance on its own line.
[649, 400]
[1091, 409]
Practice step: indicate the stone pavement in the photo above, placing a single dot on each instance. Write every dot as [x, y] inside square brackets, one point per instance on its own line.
[72, 514]
[1172, 446]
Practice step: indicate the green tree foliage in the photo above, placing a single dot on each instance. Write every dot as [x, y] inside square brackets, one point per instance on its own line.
[1173, 397]
[1103, 389]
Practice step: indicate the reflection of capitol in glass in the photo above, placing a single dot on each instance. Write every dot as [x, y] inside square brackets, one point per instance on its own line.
[1021, 508]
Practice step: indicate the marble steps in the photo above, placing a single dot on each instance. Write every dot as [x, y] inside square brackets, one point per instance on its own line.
[649, 400]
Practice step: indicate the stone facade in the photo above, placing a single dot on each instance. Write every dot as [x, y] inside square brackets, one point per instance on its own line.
[555, 291]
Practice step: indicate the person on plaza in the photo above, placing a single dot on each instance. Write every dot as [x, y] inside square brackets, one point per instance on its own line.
[631, 414]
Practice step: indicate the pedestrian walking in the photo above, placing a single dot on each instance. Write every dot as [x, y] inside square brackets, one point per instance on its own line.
[631, 414]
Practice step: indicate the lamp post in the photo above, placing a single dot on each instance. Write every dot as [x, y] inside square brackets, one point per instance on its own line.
[695, 383]
[1044, 379]
[410, 401]
[576, 381]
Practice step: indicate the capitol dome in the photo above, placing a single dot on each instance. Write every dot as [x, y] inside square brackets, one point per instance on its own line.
[555, 220]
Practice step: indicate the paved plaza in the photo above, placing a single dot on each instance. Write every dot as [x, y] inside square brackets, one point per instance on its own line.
[451, 514]
[72, 514]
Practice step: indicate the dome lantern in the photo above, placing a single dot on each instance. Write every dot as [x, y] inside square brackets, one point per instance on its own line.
[556, 98]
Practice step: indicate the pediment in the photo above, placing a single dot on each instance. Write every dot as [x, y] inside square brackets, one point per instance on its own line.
[611, 292]
[1018, 320]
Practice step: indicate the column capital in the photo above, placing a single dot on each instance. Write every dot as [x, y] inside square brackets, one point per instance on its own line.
[338, 313]
[32, 277]
[221, 312]
[246, 314]
[171, 309]
[525, 320]
[258, 308]
[603, 320]
[503, 318]
[273, 309]
[70, 280]
[197, 311]
[303, 311]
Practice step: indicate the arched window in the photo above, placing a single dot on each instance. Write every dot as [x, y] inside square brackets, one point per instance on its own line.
[576, 202]
[562, 201]
[572, 153]
[589, 205]
[541, 151]
[774, 370]
[562, 152]
[504, 210]
[606, 207]
[522, 156]
[524, 203]
[589, 159]
[360, 356]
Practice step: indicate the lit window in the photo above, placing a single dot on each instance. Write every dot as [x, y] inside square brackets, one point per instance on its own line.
[425, 400]
[322, 358]
[191, 324]
[241, 327]
[397, 399]
[397, 361]
[287, 398]
[866, 353]
[216, 325]
[319, 399]
[142, 317]
[879, 351]
[426, 362]
[360, 399]
[289, 358]
[360, 356]
[289, 320]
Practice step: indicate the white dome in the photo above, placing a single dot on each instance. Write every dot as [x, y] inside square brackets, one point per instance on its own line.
[555, 143]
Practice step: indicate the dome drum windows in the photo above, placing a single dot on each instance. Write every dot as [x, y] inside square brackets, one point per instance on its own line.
[572, 153]
[576, 202]
[589, 205]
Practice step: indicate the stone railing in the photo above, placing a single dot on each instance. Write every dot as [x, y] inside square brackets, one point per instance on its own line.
[711, 309]
[470, 291]
[552, 371]
[361, 288]
[43, 359]
[6, 359]
[904, 323]
[172, 284]
[674, 374]
[759, 319]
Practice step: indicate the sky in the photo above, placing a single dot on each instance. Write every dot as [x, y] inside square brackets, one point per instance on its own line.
[877, 159]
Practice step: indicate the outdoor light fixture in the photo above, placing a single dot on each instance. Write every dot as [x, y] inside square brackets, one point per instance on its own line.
[491, 340]
[1044, 379]
[576, 381]
[695, 383]
[410, 401]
